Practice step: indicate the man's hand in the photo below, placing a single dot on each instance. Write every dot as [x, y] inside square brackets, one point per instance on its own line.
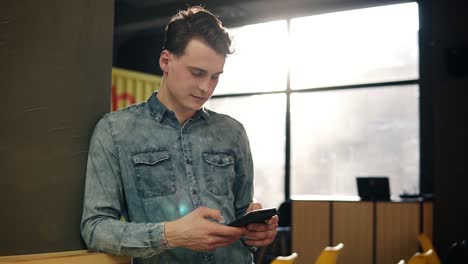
[259, 235]
[194, 231]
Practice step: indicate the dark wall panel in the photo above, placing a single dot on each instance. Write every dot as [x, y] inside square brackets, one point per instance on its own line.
[140, 53]
[55, 80]
[444, 98]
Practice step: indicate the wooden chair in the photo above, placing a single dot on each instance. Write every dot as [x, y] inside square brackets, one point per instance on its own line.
[285, 259]
[329, 255]
[68, 257]
[426, 243]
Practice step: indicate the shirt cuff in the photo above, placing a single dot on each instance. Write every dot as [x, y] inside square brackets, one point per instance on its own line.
[157, 237]
[251, 249]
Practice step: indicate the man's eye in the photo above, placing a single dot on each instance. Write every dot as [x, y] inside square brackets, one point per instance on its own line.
[197, 73]
[215, 77]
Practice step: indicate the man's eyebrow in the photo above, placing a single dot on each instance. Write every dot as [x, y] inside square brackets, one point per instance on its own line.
[202, 70]
[196, 68]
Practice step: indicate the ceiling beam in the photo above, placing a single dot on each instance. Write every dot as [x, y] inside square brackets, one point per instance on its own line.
[233, 13]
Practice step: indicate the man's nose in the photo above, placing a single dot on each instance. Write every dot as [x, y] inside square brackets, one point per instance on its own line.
[205, 84]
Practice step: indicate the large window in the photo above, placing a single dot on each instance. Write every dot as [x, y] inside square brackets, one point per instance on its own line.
[355, 47]
[338, 135]
[256, 65]
[350, 107]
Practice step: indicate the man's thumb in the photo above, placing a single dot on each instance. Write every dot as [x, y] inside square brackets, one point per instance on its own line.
[211, 213]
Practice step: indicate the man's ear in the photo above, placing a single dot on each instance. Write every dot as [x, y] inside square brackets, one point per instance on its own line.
[164, 60]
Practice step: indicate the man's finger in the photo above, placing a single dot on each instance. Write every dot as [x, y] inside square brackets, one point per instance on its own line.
[273, 220]
[214, 214]
[254, 206]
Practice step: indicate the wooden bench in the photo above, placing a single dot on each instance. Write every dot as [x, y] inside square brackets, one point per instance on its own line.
[68, 257]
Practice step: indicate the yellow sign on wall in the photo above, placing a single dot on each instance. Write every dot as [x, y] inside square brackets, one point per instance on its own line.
[130, 87]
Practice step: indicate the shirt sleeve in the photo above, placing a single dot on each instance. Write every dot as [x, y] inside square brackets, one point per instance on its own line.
[104, 205]
[244, 188]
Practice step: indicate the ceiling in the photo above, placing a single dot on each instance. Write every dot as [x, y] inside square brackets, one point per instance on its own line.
[133, 16]
[142, 15]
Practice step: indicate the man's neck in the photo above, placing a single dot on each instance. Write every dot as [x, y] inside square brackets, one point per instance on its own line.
[182, 116]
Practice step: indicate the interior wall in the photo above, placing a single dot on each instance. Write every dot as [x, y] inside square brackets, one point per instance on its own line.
[56, 74]
[139, 53]
[444, 82]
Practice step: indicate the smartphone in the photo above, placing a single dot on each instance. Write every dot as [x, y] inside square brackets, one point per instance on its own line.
[255, 216]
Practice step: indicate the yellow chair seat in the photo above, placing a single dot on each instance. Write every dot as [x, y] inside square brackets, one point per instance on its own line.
[421, 258]
[426, 244]
[285, 259]
[329, 255]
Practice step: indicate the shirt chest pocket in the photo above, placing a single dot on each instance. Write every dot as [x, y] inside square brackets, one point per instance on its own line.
[154, 174]
[219, 172]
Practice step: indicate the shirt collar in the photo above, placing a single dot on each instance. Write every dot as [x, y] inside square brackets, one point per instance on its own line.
[158, 110]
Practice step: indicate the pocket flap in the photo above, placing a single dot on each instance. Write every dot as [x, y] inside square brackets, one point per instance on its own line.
[218, 159]
[150, 158]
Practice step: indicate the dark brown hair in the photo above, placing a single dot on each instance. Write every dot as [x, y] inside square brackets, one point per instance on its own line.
[196, 22]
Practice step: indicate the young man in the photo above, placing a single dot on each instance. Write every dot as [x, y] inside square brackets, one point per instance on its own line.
[176, 172]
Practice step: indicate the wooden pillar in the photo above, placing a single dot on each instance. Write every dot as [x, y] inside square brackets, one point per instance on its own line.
[55, 68]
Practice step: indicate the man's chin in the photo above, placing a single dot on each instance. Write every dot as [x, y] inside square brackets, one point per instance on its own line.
[195, 107]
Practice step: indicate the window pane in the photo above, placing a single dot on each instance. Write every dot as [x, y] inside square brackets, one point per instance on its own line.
[369, 45]
[256, 66]
[267, 139]
[338, 135]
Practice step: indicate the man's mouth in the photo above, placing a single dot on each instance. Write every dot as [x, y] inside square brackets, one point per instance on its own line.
[198, 97]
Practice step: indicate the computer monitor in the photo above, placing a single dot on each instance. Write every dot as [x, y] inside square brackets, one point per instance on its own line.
[373, 188]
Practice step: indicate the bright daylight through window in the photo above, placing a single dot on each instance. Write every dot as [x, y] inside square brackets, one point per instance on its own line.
[354, 100]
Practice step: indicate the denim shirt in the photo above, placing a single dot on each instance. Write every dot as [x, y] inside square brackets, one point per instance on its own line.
[145, 167]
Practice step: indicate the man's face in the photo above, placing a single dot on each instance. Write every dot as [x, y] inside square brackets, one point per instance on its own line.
[192, 77]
